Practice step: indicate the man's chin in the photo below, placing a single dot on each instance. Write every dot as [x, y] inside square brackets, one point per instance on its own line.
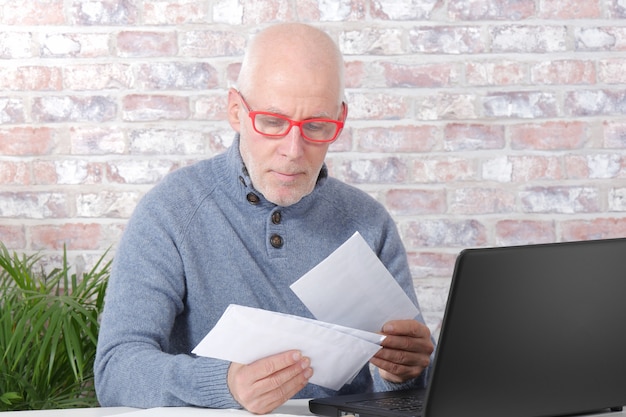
[286, 198]
[285, 201]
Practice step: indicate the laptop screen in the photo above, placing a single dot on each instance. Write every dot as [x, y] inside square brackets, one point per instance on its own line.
[534, 330]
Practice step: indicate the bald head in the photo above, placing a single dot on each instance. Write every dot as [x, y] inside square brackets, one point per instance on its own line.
[292, 51]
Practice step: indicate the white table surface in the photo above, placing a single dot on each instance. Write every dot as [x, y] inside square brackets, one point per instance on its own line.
[290, 408]
[72, 412]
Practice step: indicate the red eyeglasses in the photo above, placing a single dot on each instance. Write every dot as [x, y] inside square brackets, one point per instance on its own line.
[272, 125]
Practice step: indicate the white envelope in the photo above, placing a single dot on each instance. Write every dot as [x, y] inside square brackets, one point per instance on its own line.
[353, 288]
[245, 334]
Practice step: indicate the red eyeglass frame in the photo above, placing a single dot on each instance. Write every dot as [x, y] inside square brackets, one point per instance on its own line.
[292, 123]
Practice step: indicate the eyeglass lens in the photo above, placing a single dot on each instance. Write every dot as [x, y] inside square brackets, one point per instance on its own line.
[317, 130]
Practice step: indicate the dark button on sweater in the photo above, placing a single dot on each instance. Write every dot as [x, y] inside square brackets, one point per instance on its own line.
[276, 241]
[253, 198]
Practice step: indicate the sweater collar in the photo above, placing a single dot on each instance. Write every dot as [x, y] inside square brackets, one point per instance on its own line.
[239, 179]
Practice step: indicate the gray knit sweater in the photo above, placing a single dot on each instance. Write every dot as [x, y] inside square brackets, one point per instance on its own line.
[205, 238]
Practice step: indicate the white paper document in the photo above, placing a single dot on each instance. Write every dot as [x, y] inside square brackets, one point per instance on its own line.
[350, 293]
[352, 287]
[245, 334]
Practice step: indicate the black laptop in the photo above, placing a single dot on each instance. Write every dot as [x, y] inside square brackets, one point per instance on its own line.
[528, 331]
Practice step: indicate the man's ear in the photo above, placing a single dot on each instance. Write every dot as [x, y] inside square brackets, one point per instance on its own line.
[234, 105]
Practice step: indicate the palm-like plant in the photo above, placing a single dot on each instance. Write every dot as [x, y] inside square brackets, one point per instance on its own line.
[48, 332]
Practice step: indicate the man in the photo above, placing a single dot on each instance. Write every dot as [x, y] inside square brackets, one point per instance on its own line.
[240, 228]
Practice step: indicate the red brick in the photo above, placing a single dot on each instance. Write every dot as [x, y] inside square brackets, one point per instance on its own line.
[445, 233]
[595, 102]
[536, 168]
[210, 107]
[93, 140]
[142, 171]
[560, 199]
[443, 170]
[107, 204]
[614, 135]
[496, 73]
[177, 76]
[523, 104]
[54, 109]
[595, 166]
[147, 44]
[209, 43]
[407, 202]
[81, 45]
[344, 141]
[32, 12]
[98, 76]
[616, 9]
[264, 11]
[74, 236]
[217, 142]
[549, 136]
[563, 10]
[446, 40]
[612, 71]
[232, 72]
[529, 39]
[138, 107]
[420, 75]
[14, 173]
[397, 139]
[463, 137]
[577, 167]
[13, 237]
[524, 232]
[372, 41]
[174, 13]
[498, 169]
[491, 9]
[355, 74]
[73, 172]
[446, 106]
[33, 205]
[481, 201]
[337, 11]
[599, 228]
[403, 10]
[563, 72]
[373, 171]
[104, 12]
[379, 106]
[153, 141]
[600, 38]
[12, 111]
[617, 200]
[31, 78]
[26, 141]
[431, 264]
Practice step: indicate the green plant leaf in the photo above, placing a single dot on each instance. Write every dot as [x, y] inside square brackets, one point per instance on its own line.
[49, 323]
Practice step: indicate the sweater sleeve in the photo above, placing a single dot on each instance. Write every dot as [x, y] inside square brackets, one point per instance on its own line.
[392, 253]
[137, 363]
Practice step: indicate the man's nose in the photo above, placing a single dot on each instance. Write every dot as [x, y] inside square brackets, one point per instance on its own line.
[293, 143]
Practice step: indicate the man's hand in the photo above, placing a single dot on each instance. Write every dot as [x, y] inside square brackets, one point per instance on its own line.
[406, 350]
[266, 384]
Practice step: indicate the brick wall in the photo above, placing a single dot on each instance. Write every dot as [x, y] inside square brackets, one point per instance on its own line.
[476, 122]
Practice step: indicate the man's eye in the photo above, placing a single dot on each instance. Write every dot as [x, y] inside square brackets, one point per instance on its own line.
[314, 126]
[274, 121]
